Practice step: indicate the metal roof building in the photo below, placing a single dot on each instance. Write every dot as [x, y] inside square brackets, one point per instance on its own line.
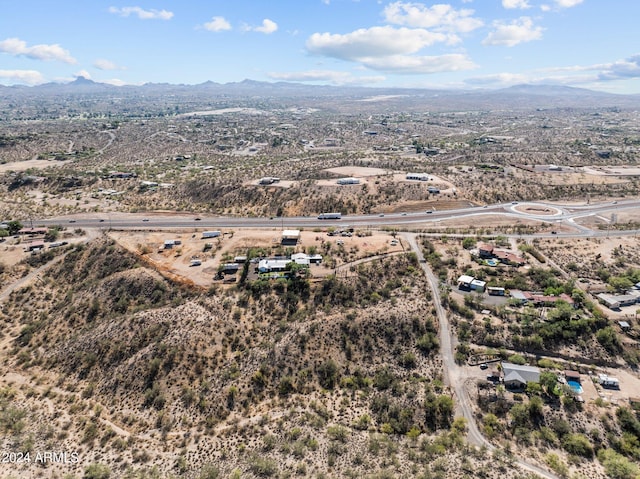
[520, 375]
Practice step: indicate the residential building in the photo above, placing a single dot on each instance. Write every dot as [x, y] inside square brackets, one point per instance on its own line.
[290, 237]
[417, 176]
[349, 181]
[616, 301]
[517, 376]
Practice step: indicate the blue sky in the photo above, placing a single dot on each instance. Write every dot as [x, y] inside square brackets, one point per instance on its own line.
[456, 44]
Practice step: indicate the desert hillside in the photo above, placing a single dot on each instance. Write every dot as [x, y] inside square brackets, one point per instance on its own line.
[142, 377]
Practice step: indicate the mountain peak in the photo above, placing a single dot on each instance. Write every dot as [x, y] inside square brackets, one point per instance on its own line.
[82, 80]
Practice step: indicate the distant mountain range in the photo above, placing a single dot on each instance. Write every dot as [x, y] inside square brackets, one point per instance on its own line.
[514, 97]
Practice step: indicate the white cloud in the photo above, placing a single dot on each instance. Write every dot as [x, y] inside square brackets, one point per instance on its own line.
[141, 13]
[267, 27]
[330, 76]
[559, 4]
[84, 74]
[511, 4]
[498, 79]
[518, 31]
[17, 47]
[388, 49]
[30, 77]
[102, 64]
[568, 3]
[440, 17]
[591, 75]
[408, 64]
[217, 24]
[115, 82]
[372, 42]
[621, 69]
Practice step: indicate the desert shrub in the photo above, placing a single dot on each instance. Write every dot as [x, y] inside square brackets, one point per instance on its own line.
[97, 471]
[608, 338]
[408, 360]
[556, 464]
[428, 343]
[517, 359]
[11, 418]
[338, 433]
[328, 374]
[286, 386]
[617, 466]
[628, 421]
[263, 467]
[577, 444]
[209, 471]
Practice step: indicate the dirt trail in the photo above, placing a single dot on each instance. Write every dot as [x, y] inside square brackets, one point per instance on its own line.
[453, 374]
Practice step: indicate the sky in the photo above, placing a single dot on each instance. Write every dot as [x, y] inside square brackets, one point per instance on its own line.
[459, 44]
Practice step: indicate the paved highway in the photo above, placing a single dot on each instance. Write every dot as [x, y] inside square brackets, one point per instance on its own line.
[453, 374]
[551, 213]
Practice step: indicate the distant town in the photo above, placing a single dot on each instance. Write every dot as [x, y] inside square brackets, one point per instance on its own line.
[256, 280]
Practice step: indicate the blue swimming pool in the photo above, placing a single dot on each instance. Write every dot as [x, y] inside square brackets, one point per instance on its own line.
[576, 386]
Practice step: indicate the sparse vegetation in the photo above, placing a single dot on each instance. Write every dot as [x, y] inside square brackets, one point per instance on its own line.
[309, 375]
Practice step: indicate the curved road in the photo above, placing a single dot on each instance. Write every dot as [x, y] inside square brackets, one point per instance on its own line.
[453, 374]
[564, 214]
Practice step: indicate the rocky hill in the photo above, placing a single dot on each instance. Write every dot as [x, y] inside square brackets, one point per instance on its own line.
[141, 377]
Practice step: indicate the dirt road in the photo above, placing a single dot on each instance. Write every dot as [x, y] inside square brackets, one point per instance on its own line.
[454, 375]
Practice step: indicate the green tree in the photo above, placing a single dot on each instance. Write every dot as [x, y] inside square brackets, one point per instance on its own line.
[492, 426]
[52, 234]
[468, 242]
[578, 296]
[519, 416]
[548, 381]
[620, 284]
[444, 406]
[534, 389]
[608, 338]
[328, 374]
[617, 466]
[536, 411]
[14, 226]
[562, 312]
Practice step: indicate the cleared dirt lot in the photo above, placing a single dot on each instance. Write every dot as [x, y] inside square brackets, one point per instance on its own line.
[357, 171]
[337, 251]
[29, 164]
